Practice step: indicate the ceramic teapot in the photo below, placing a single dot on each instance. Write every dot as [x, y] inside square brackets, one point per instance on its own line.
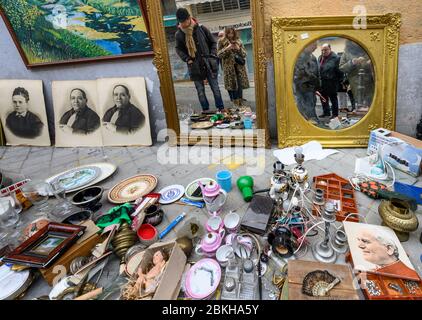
[210, 244]
[214, 197]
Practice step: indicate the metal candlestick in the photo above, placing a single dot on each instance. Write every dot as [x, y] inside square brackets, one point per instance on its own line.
[322, 250]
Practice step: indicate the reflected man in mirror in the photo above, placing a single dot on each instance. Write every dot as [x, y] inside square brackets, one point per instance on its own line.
[330, 76]
[306, 82]
[356, 63]
[22, 122]
[80, 119]
[196, 46]
[123, 117]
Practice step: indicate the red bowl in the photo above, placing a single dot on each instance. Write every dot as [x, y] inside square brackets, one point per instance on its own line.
[147, 233]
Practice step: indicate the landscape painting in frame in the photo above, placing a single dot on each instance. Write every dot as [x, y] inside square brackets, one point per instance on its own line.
[63, 31]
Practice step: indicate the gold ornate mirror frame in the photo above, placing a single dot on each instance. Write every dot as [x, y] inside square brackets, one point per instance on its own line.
[259, 138]
[380, 39]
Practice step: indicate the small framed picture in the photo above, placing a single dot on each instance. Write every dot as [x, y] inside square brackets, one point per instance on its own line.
[45, 246]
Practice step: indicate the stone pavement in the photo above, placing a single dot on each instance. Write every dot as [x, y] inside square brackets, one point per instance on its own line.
[42, 162]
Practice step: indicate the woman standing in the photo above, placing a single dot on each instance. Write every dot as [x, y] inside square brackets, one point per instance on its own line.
[233, 56]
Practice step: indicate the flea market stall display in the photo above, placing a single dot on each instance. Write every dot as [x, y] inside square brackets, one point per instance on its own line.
[257, 254]
[94, 232]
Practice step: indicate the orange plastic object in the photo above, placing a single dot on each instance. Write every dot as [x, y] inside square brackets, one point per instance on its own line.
[340, 191]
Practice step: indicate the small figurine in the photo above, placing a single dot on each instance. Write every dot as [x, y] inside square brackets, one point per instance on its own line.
[147, 282]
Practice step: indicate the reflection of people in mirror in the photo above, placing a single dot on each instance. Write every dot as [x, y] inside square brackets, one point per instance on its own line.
[233, 56]
[22, 122]
[306, 82]
[330, 76]
[356, 63]
[196, 46]
[123, 117]
[80, 119]
[380, 250]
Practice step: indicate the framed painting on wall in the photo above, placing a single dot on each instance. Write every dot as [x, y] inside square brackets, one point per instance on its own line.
[54, 32]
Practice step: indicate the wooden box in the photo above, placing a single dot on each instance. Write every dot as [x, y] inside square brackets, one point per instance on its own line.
[298, 269]
[339, 190]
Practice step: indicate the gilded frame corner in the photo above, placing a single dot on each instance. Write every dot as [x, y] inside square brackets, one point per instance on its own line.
[162, 64]
[380, 39]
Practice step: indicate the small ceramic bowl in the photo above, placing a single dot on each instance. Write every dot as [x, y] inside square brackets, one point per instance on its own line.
[88, 198]
[153, 215]
[147, 234]
[78, 217]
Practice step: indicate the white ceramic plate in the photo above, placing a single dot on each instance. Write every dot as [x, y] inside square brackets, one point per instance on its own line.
[12, 283]
[194, 185]
[171, 194]
[203, 279]
[106, 170]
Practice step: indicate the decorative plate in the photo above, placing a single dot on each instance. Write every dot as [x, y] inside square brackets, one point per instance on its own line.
[105, 171]
[191, 188]
[13, 283]
[132, 188]
[203, 279]
[202, 125]
[77, 177]
[223, 126]
[171, 194]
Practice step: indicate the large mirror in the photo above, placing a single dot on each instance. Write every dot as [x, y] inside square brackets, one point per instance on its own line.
[335, 81]
[206, 56]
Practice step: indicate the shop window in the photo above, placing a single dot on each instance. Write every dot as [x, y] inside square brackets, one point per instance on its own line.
[231, 4]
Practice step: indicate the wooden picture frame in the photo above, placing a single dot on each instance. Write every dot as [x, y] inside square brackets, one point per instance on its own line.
[253, 138]
[46, 245]
[89, 41]
[380, 40]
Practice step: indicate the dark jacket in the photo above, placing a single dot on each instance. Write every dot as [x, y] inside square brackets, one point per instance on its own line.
[87, 120]
[130, 118]
[206, 61]
[28, 127]
[330, 73]
[306, 77]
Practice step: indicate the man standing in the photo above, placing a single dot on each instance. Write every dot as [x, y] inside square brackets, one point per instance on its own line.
[197, 47]
[306, 81]
[330, 75]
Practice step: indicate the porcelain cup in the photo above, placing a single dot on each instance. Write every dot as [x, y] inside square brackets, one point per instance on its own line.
[232, 222]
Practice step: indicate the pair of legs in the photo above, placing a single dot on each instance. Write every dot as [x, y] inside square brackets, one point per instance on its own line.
[200, 88]
[306, 100]
[330, 96]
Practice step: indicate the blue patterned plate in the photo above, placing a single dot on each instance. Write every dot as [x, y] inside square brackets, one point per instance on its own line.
[171, 194]
[77, 178]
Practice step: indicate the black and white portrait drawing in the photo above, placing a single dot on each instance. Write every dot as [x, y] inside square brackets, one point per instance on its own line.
[125, 117]
[80, 118]
[77, 122]
[23, 112]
